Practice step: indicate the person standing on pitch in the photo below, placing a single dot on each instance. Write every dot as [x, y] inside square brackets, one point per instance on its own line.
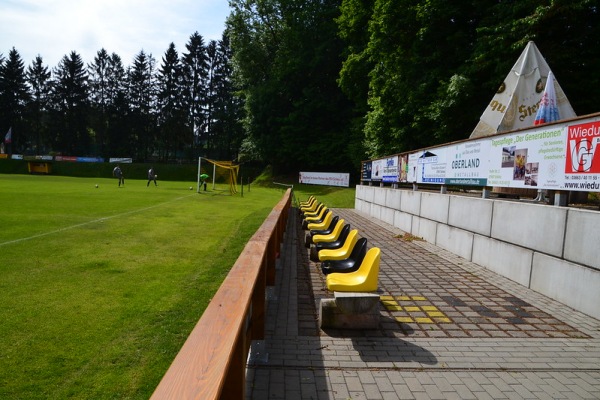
[151, 177]
[117, 173]
[203, 179]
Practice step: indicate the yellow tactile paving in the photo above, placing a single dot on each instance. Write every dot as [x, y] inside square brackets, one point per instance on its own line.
[434, 315]
[423, 320]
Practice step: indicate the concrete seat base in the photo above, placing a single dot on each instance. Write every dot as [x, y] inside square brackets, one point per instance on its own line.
[350, 310]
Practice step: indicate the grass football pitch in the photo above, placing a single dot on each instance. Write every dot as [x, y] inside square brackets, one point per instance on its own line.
[99, 287]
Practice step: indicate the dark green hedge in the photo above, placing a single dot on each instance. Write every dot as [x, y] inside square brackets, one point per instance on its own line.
[166, 172]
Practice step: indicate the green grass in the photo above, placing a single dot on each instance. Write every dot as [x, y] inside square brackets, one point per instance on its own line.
[332, 196]
[100, 287]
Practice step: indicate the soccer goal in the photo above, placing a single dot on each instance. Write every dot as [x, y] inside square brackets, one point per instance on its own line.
[222, 172]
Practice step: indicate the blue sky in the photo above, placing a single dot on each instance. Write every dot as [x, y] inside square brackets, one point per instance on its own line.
[54, 28]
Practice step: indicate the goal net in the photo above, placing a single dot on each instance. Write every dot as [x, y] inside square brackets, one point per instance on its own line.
[218, 174]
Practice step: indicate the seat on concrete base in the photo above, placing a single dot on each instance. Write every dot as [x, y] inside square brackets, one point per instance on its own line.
[350, 264]
[322, 224]
[343, 252]
[365, 279]
[318, 219]
[326, 231]
[330, 237]
[339, 242]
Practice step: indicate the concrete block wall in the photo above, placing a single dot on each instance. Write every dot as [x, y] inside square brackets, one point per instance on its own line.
[553, 250]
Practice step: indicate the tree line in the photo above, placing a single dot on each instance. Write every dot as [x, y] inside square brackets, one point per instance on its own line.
[305, 84]
[328, 83]
[179, 109]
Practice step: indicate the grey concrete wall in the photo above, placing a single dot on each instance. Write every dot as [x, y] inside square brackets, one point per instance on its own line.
[552, 250]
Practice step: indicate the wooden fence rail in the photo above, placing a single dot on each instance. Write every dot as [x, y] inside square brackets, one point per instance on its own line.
[212, 362]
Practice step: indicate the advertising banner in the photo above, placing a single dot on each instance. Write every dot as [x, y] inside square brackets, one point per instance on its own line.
[468, 163]
[582, 158]
[403, 159]
[555, 157]
[412, 167]
[366, 171]
[432, 166]
[325, 178]
[66, 158]
[90, 159]
[377, 171]
[531, 159]
[390, 170]
[122, 160]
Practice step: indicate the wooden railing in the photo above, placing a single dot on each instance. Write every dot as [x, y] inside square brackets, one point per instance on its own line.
[212, 362]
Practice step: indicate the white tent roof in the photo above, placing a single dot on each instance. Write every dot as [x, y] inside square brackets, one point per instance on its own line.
[516, 102]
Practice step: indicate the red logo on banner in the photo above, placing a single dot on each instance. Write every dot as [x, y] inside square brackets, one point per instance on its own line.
[582, 144]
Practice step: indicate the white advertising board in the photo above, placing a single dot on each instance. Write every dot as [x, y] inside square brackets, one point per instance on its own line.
[467, 163]
[555, 157]
[412, 167]
[325, 178]
[377, 170]
[390, 169]
[432, 166]
[531, 159]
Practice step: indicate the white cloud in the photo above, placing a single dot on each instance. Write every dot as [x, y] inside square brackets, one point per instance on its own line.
[54, 28]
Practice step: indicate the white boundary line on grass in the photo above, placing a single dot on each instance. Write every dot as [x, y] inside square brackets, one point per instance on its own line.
[66, 228]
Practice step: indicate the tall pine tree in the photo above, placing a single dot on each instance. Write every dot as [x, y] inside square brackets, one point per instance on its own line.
[14, 97]
[71, 106]
[172, 106]
[143, 106]
[38, 78]
[195, 74]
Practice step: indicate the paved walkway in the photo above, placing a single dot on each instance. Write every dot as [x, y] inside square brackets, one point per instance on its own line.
[449, 329]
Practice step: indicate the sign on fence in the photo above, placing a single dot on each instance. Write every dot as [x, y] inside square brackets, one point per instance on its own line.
[558, 157]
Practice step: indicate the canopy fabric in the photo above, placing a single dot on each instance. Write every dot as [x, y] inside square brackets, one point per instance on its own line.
[548, 110]
[516, 102]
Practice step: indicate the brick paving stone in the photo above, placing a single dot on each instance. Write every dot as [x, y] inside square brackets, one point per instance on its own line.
[390, 396]
[434, 392]
[515, 342]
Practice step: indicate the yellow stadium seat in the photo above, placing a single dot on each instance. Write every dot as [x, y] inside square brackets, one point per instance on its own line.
[343, 252]
[334, 244]
[307, 202]
[330, 237]
[311, 207]
[350, 264]
[365, 279]
[323, 224]
[313, 213]
[318, 218]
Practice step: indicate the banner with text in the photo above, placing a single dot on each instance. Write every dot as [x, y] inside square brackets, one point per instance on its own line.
[325, 178]
[557, 157]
